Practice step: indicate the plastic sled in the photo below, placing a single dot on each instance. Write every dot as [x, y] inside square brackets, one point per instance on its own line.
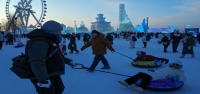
[163, 85]
[18, 46]
[147, 64]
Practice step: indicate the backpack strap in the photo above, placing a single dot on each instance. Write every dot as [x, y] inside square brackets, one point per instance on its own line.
[51, 44]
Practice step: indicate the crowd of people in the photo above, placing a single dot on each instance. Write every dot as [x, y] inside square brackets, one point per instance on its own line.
[47, 71]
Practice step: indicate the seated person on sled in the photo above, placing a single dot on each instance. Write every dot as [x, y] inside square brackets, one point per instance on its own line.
[173, 71]
[142, 56]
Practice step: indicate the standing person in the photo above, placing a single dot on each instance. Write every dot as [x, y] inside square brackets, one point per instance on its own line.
[176, 37]
[144, 40]
[47, 70]
[10, 39]
[132, 39]
[64, 48]
[86, 38]
[174, 71]
[166, 42]
[1, 40]
[187, 46]
[72, 44]
[198, 38]
[109, 37]
[99, 44]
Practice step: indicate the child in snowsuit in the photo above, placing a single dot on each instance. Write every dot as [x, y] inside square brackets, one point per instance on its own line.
[142, 56]
[174, 72]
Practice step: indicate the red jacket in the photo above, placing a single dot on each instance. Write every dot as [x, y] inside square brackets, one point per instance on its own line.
[145, 57]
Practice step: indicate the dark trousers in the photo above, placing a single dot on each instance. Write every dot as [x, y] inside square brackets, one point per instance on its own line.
[73, 48]
[174, 47]
[96, 60]
[145, 44]
[146, 79]
[57, 86]
[165, 48]
[1, 44]
[9, 42]
[199, 41]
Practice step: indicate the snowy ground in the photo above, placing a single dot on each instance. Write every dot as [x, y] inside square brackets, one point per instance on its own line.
[83, 82]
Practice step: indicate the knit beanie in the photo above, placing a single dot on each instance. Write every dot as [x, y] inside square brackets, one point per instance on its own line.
[52, 26]
[95, 31]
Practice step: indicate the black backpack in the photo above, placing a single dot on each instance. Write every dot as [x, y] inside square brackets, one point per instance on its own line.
[134, 38]
[21, 67]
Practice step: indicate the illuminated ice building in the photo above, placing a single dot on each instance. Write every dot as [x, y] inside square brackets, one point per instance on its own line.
[101, 25]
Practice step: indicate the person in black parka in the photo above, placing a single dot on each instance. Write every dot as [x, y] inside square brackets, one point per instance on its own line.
[188, 46]
[72, 44]
[109, 37]
[86, 38]
[47, 71]
[166, 42]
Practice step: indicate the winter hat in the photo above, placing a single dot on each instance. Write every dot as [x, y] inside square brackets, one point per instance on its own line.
[52, 26]
[177, 62]
[95, 31]
[139, 53]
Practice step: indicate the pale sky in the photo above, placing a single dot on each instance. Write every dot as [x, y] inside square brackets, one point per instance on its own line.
[161, 13]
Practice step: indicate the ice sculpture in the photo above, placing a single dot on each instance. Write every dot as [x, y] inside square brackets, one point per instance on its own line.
[66, 29]
[125, 23]
[145, 24]
[101, 25]
[75, 28]
[82, 28]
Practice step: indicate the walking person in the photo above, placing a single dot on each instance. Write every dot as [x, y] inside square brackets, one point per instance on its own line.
[47, 71]
[99, 44]
[72, 45]
[1, 40]
[166, 42]
[144, 40]
[187, 46]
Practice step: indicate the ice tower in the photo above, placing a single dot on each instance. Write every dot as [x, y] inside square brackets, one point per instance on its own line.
[125, 23]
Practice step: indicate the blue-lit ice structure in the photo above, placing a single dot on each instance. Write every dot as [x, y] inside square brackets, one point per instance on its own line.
[30, 28]
[101, 25]
[66, 29]
[82, 28]
[125, 23]
[139, 28]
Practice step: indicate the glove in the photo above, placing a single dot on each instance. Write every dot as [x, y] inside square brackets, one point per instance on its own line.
[44, 84]
[72, 64]
[152, 70]
[176, 77]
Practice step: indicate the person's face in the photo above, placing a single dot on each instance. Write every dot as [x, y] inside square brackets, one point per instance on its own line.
[58, 32]
[174, 65]
[93, 35]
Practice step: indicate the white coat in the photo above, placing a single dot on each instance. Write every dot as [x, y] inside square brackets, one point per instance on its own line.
[144, 38]
[131, 42]
[162, 73]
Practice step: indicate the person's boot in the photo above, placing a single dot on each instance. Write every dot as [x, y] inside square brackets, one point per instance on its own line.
[192, 56]
[77, 52]
[123, 83]
[183, 56]
[166, 61]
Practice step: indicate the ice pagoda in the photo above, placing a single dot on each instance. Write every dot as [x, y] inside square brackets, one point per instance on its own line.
[101, 25]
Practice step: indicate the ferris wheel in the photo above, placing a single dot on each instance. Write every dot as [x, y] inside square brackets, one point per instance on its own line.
[23, 12]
